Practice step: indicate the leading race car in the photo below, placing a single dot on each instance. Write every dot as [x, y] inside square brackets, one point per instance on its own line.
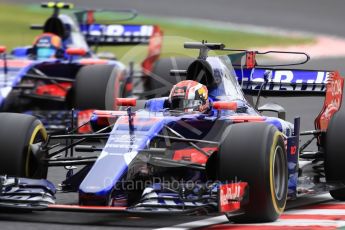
[203, 148]
[50, 77]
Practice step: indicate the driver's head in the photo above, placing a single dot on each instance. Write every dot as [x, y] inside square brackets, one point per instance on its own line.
[189, 96]
[47, 45]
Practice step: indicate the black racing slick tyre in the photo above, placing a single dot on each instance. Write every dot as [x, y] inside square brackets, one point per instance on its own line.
[255, 153]
[97, 86]
[160, 82]
[17, 133]
[335, 153]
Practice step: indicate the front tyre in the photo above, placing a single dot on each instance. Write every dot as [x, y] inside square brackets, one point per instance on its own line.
[17, 133]
[255, 153]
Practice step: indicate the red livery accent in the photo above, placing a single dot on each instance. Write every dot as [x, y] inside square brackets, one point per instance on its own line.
[109, 113]
[105, 117]
[76, 51]
[225, 105]
[15, 63]
[138, 121]
[332, 103]
[239, 119]
[231, 195]
[250, 60]
[2, 49]
[58, 90]
[293, 150]
[193, 155]
[90, 19]
[129, 87]
[83, 117]
[91, 61]
[155, 46]
[126, 101]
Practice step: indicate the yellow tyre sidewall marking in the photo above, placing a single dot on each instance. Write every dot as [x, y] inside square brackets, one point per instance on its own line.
[278, 209]
[38, 128]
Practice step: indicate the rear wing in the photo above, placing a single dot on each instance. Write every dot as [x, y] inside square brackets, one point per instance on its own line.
[107, 31]
[117, 34]
[297, 83]
[103, 33]
[283, 82]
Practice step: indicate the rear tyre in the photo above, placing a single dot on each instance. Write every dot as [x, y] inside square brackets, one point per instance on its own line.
[160, 82]
[335, 153]
[262, 164]
[17, 133]
[97, 86]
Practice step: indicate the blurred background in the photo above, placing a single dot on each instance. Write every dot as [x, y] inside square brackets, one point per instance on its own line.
[266, 24]
[313, 26]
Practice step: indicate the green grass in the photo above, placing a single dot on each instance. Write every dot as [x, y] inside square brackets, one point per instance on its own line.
[15, 21]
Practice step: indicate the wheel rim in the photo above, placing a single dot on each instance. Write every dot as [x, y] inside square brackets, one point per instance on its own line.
[31, 166]
[279, 173]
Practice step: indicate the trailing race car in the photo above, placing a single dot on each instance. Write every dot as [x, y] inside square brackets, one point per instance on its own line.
[60, 69]
[203, 148]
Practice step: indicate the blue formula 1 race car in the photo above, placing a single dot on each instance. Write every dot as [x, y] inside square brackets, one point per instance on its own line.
[203, 148]
[59, 70]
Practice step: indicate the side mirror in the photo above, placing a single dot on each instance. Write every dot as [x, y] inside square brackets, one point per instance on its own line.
[76, 51]
[126, 101]
[273, 107]
[224, 105]
[2, 49]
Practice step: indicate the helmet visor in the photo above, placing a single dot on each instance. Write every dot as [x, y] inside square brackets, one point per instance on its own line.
[45, 52]
[182, 104]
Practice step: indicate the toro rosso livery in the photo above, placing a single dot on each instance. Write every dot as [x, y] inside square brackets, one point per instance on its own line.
[202, 149]
[44, 79]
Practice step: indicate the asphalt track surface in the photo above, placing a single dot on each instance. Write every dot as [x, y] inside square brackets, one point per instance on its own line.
[317, 16]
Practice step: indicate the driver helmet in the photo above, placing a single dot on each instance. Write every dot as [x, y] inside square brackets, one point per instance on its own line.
[47, 45]
[189, 96]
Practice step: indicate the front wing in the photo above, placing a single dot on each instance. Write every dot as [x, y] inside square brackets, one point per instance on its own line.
[33, 194]
[22, 193]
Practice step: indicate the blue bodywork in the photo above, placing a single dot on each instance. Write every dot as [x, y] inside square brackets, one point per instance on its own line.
[131, 135]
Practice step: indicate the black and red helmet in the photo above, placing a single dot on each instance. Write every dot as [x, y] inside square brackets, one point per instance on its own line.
[189, 96]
